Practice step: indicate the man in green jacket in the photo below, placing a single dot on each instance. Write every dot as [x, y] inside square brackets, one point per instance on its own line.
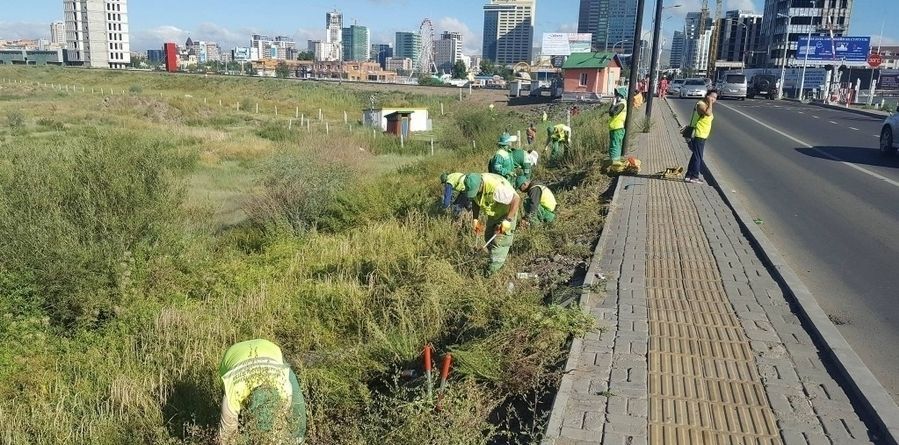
[501, 162]
[496, 201]
[558, 139]
[521, 165]
[617, 115]
[261, 392]
[540, 204]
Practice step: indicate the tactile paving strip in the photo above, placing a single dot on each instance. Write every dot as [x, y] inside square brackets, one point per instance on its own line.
[704, 387]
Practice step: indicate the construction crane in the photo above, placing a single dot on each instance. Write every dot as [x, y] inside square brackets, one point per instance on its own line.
[713, 44]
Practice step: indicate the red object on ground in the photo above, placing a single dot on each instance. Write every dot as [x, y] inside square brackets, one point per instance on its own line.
[445, 369]
[874, 60]
[427, 356]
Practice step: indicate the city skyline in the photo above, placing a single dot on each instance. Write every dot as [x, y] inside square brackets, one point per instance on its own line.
[232, 24]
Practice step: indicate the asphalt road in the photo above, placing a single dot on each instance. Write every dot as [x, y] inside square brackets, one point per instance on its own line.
[830, 203]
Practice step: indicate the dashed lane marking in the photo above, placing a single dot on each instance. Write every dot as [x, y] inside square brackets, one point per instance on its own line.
[817, 150]
[853, 128]
[832, 122]
[816, 117]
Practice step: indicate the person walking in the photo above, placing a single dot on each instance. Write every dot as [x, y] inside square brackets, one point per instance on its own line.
[259, 384]
[496, 201]
[701, 122]
[663, 88]
[617, 116]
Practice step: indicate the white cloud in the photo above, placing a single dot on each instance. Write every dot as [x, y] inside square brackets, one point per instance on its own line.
[227, 38]
[743, 5]
[568, 27]
[155, 37]
[24, 30]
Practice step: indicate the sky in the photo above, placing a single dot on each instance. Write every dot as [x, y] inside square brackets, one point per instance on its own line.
[230, 23]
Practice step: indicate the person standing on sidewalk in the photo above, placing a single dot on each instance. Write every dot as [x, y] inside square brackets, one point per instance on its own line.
[617, 115]
[701, 122]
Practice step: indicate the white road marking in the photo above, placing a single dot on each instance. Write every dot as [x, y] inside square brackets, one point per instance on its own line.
[801, 112]
[832, 122]
[816, 150]
[816, 117]
[853, 128]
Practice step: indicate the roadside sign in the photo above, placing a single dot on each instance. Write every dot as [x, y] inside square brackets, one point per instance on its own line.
[889, 80]
[823, 48]
[874, 60]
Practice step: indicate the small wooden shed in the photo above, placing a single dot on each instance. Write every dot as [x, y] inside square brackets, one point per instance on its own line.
[400, 122]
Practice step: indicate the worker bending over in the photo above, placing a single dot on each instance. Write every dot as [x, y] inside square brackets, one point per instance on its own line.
[501, 162]
[540, 204]
[495, 212]
[558, 140]
[453, 196]
[262, 393]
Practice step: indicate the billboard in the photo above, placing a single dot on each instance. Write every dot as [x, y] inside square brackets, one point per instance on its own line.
[566, 43]
[837, 49]
[889, 80]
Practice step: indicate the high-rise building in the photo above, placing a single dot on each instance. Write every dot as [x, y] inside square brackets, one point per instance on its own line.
[356, 43]
[447, 51]
[784, 21]
[408, 46]
[738, 36]
[333, 44]
[678, 44]
[284, 48]
[610, 22]
[509, 31]
[58, 33]
[697, 39]
[380, 52]
[97, 33]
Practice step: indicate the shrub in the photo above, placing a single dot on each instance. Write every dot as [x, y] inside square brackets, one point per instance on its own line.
[52, 124]
[15, 119]
[136, 89]
[80, 218]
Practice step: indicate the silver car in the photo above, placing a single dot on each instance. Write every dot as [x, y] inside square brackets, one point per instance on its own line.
[694, 88]
[732, 85]
[888, 135]
[675, 86]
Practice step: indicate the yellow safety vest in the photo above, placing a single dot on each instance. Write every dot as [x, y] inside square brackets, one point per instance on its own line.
[493, 182]
[547, 199]
[560, 132]
[456, 180]
[250, 364]
[617, 121]
[702, 125]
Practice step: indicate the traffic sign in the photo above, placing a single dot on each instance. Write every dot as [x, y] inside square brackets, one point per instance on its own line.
[874, 60]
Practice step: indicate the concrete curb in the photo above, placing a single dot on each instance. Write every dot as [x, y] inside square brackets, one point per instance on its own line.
[574, 353]
[857, 378]
[869, 113]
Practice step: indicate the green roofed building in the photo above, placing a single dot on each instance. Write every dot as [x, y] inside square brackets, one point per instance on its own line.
[590, 76]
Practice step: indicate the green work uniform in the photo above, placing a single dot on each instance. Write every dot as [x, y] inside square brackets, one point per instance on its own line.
[501, 163]
[521, 164]
[258, 364]
[617, 116]
[558, 140]
[494, 202]
[540, 204]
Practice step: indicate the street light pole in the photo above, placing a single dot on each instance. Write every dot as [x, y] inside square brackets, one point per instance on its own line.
[632, 80]
[653, 62]
[783, 62]
[808, 44]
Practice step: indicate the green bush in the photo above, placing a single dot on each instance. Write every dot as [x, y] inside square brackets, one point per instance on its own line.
[136, 89]
[15, 119]
[81, 216]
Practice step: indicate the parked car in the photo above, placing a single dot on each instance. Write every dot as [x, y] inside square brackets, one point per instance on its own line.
[888, 135]
[732, 85]
[675, 86]
[762, 85]
[696, 87]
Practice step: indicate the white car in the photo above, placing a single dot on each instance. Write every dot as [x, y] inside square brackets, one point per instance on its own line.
[675, 86]
[694, 88]
[888, 135]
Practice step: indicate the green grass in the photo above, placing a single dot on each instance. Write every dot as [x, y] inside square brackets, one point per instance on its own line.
[141, 234]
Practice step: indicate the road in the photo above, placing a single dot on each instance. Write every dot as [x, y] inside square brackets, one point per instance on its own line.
[830, 203]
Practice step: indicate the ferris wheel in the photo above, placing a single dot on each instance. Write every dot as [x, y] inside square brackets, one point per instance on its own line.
[426, 57]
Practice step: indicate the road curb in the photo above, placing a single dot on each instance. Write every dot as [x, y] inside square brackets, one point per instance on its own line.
[557, 414]
[856, 376]
[877, 114]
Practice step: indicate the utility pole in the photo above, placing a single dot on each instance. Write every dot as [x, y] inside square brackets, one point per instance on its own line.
[632, 80]
[653, 63]
[808, 45]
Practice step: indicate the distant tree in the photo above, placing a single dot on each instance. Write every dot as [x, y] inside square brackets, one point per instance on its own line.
[249, 69]
[487, 67]
[282, 70]
[430, 81]
[306, 55]
[460, 71]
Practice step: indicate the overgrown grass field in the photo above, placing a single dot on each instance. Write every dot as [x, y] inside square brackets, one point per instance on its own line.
[145, 229]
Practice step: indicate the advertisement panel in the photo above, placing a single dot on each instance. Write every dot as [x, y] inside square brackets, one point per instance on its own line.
[889, 80]
[565, 43]
[837, 49]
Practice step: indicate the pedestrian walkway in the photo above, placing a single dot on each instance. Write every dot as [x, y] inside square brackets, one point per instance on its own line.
[697, 343]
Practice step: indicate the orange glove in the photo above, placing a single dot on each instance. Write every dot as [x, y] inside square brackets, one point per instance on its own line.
[478, 227]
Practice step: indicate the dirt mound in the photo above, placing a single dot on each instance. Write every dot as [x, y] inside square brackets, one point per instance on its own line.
[144, 107]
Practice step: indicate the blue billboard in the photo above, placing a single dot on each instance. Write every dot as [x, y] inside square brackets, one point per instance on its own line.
[837, 49]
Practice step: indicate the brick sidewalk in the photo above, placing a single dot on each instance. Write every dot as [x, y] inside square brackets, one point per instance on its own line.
[697, 344]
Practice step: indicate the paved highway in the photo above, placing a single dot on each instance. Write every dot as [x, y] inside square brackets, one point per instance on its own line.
[829, 201]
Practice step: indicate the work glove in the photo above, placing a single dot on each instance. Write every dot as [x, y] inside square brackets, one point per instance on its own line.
[504, 227]
[478, 227]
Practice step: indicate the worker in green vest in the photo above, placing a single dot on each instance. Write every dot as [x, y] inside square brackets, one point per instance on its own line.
[495, 212]
[558, 137]
[501, 162]
[521, 165]
[453, 196]
[540, 204]
[617, 115]
[261, 393]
